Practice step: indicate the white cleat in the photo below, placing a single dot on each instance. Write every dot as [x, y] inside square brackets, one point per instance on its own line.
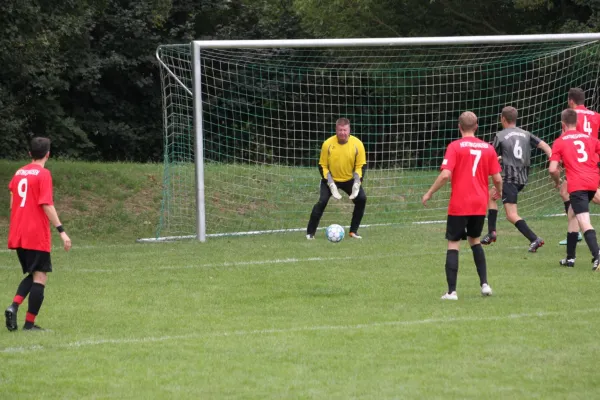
[450, 296]
[486, 290]
[310, 237]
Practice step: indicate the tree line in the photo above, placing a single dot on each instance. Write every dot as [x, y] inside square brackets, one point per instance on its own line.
[83, 72]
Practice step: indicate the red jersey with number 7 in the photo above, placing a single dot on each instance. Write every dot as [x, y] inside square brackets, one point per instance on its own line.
[588, 121]
[31, 187]
[471, 161]
[579, 155]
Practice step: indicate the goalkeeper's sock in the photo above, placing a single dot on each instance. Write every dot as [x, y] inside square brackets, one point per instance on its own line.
[492, 218]
[451, 269]
[525, 230]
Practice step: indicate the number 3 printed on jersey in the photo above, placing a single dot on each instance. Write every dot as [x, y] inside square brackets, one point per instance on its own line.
[22, 191]
[581, 150]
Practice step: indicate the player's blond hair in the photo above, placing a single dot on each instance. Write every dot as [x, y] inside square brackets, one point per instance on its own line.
[569, 117]
[510, 114]
[342, 122]
[468, 121]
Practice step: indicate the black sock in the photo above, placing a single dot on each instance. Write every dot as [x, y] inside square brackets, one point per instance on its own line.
[571, 244]
[479, 258]
[451, 269]
[524, 229]
[567, 205]
[492, 218]
[36, 298]
[592, 242]
[23, 290]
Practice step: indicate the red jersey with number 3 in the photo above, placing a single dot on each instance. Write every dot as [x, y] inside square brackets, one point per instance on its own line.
[31, 187]
[471, 161]
[588, 121]
[579, 154]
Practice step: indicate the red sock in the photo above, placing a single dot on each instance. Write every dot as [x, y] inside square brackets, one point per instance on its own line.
[18, 300]
[29, 317]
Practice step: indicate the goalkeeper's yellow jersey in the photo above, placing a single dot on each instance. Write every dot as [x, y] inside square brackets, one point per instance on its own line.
[342, 160]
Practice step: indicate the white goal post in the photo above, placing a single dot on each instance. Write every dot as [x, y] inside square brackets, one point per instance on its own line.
[244, 121]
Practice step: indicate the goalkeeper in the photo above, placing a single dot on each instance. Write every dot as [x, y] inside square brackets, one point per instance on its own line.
[341, 165]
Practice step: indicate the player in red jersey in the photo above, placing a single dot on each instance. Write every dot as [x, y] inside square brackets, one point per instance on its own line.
[468, 161]
[588, 122]
[579, 154]
[32, 208]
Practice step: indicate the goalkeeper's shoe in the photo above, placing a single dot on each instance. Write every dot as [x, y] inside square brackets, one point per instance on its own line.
[489, 238]
[567, 262]
[536, 244]
[355, 236]
[11, 318]
[564, 242]
[310, 237]
[450, 296]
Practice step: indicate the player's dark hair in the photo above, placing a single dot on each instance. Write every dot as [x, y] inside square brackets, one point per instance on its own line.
[342, 121]
[577, 95]
[468, 121]
[510, 114]
[39, 147]
[569, 117]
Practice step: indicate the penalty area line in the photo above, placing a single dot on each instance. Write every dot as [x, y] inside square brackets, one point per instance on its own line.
[272, 331]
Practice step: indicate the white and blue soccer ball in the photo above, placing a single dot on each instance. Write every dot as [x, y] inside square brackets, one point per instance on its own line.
[335, 233]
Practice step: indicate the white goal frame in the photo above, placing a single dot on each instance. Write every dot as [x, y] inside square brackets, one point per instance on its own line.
[197, 46]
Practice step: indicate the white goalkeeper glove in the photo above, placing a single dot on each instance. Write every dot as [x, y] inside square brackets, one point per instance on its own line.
[334, 191]
[355, 189]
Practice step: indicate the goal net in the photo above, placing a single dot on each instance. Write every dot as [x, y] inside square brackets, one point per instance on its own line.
[266, 111]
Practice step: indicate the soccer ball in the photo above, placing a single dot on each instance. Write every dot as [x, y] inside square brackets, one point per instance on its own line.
[335, 233]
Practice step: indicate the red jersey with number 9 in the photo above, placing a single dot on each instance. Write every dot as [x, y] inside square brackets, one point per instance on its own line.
[588, 121]
[31, 187]
[579, 154]
[471, 161]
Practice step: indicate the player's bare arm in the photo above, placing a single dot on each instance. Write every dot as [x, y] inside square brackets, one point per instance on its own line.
[54, 220]
[554, 173]
[545, 148]
[497, 180]
[441, 180]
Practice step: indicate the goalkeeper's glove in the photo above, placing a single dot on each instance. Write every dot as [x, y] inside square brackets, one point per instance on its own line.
[334, 191]
[355, 189]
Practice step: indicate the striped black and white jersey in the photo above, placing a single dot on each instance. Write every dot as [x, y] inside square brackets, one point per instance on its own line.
[514, 145]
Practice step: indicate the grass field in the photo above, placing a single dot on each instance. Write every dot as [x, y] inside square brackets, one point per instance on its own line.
[277, 316]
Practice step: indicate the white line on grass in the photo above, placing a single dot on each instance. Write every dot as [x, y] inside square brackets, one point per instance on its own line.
[235, 264]
[322, 328]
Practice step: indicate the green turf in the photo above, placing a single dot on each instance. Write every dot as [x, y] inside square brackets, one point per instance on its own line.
[277, 316]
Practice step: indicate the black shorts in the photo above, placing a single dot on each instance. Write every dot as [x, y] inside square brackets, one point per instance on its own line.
[580, 200]
[34, 260]
[510, 192]
[460, 226]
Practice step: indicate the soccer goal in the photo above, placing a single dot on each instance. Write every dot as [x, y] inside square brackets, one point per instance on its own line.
[244, 122]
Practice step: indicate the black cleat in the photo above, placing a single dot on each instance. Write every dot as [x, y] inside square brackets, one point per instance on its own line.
[11, 318]
[489, 238]
[567, 262]
[536, 244]
[596, 263]
[33, 328]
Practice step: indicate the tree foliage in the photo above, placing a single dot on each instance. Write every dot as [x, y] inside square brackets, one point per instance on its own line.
[83, 72]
